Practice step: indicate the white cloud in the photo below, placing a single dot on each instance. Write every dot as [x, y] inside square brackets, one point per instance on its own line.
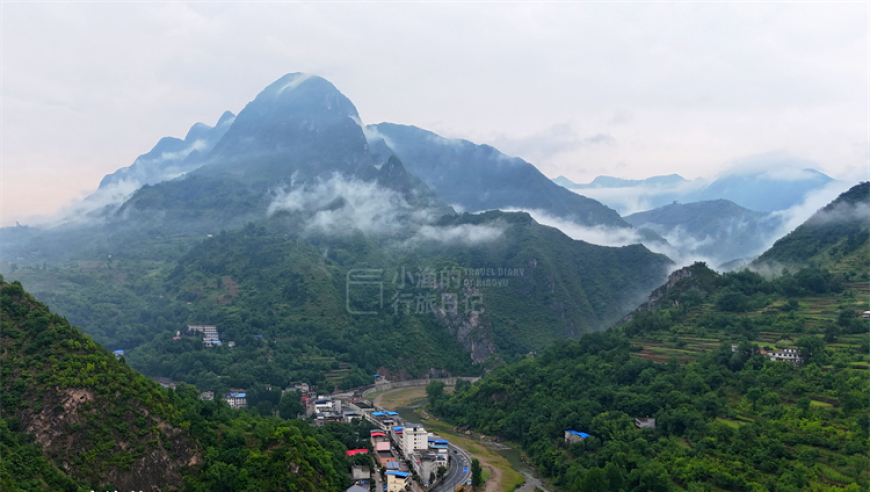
[94, 208]
[302, 77]
[181, 154]
[339, 206]
[813, 202]
[463, 234]
[633, 199]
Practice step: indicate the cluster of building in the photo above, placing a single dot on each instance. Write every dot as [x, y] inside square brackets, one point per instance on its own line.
[400, 447]
[209, 333]
[792, 355]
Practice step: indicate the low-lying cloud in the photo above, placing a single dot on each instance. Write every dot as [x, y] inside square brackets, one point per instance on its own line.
[632, 199]
[93, 209]
[681, 248]
[462, 234]
[813, 202]
[340, 205]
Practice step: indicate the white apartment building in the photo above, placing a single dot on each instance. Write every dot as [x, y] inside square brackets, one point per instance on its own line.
[414, 439]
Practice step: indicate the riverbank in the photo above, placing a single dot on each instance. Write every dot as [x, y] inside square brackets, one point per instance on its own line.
[502, 476]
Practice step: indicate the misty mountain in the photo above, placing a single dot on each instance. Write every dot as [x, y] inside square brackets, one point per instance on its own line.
[514, 285]
[479, 177]
[172, 157]
[717, 230]
[765, 191]
[263, 235]
[778, 189]
[837, 237]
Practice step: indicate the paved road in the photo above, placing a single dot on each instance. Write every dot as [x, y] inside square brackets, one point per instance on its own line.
[459, 460]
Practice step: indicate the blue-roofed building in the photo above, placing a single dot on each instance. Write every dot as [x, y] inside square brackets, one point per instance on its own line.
[572, 436]
[397, 480]
[119, 354]
[236, 399]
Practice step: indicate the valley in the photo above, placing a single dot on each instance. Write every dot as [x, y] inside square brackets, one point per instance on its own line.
[207, 324]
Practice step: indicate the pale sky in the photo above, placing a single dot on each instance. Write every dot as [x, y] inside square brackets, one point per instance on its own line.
[630, 89]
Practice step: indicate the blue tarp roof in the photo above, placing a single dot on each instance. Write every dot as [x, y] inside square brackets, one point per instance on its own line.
[238, 395]
[119, 351]
[377, 414]
[397, 429]
[581, 434]
[392, 413]
[398, 473]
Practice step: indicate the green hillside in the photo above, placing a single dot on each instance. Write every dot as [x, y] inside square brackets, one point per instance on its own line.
[530, 285]
[726, 419]
[837, 237]
[73, 417]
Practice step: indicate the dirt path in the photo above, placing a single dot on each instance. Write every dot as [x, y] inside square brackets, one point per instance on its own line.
[493, 484]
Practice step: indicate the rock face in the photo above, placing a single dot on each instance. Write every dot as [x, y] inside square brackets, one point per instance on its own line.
[696, 276]
[471, 327]
[65, 434]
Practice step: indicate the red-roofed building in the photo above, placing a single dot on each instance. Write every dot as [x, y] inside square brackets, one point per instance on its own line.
[354, 452]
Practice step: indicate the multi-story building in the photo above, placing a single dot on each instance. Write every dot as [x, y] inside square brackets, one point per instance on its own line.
[236, 399]
[414, 438]
[792, 355]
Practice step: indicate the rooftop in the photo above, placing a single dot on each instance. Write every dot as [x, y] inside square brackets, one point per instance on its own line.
[576, 433]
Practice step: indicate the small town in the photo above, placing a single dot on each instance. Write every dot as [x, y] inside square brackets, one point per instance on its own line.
[405, 455]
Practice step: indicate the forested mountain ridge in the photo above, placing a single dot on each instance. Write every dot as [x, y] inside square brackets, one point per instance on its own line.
[293, 291]
[753, 384]
[726, 416]
[73, 417]
[836, 237]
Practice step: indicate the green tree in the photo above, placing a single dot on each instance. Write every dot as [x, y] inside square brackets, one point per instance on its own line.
[290, 405]
[434, 391]
[476, 472]
[812, 348]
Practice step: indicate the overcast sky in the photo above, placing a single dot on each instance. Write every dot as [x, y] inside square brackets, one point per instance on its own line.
[578, 89]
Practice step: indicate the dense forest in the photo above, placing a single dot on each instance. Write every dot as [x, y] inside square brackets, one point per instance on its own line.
[293, 291]
[73, 417]
[727, 417]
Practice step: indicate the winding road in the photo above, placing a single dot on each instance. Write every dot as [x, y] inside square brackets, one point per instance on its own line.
[459, 461]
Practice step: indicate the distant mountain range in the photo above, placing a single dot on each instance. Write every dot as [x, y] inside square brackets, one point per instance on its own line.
[764, 191]
[717, 230]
